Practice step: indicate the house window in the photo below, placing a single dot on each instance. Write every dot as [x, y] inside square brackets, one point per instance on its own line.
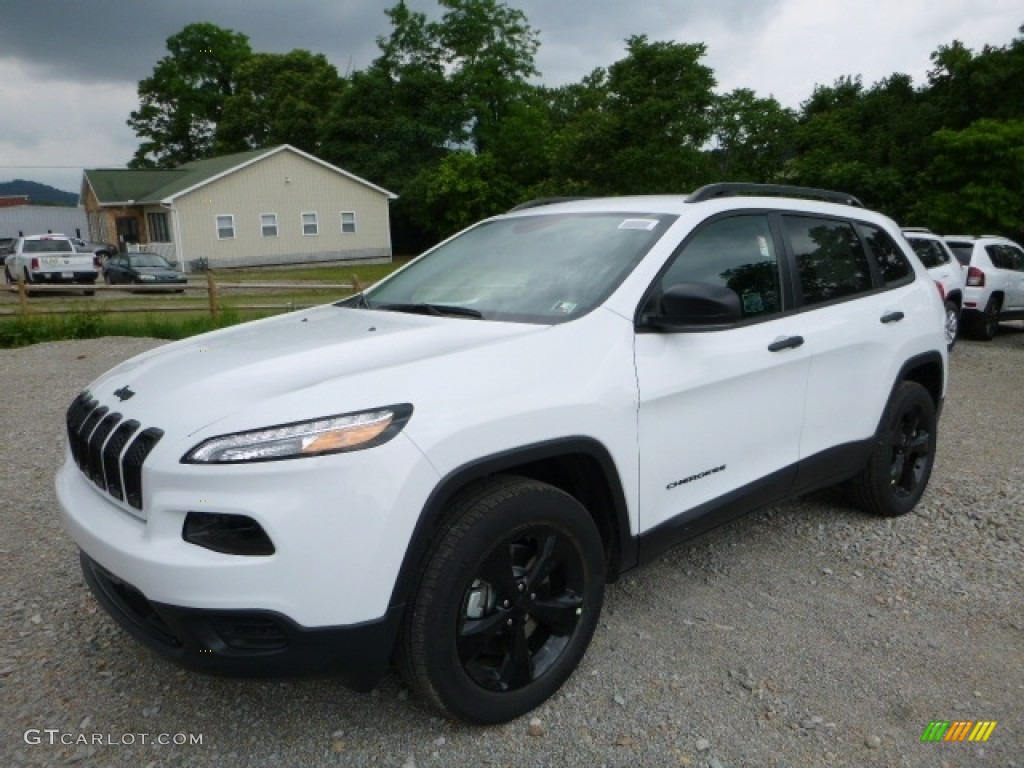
[159, 232]
[348, 222]
[310, 225]
[226, 227]
[268, 224]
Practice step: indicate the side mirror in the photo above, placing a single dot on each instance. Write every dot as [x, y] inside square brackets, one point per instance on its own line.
[696, 307]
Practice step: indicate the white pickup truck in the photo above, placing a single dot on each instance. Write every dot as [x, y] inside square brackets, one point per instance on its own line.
[50, 259]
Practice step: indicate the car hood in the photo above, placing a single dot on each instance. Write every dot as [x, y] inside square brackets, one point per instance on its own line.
[289, 367]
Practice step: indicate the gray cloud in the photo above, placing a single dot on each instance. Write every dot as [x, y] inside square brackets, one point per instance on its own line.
[69, 68]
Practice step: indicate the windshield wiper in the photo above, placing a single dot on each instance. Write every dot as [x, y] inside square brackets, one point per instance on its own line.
[438, 310]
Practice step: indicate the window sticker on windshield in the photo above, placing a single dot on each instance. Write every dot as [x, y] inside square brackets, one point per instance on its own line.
[564, 308]
[762, 243]
[752, 303]
[645, 224]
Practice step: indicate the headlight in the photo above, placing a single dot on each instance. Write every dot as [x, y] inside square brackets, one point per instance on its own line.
[330, 434]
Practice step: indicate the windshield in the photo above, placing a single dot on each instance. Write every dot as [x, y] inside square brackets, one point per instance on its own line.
[148, 260]
[546, 268]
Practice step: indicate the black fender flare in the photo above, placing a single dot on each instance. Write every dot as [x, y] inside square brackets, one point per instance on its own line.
[624, 544]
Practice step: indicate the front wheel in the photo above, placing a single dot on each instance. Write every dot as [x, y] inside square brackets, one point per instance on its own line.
[507, 603]
[904, 451]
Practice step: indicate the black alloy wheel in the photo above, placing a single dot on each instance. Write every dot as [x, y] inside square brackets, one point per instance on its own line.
[507, 604]
[901, 462]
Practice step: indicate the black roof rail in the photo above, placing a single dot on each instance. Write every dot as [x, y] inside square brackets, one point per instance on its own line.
[735, 189]
[539, 201]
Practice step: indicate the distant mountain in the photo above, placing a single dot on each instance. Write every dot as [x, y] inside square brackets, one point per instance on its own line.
[38, 194]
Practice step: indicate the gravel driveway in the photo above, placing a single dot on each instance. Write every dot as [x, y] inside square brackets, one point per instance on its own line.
[806, 635]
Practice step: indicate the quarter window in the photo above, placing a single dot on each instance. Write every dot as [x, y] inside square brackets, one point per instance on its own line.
[268, 224]
[348, 222]
[310, 224]
[891, 262]
[226, 227]
[738, 253]
[830, 259]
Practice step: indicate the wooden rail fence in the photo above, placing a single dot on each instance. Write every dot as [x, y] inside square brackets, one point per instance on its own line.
[210, 286]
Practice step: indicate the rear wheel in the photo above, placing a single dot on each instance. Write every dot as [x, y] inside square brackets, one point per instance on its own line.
[987, 325]
[901, 462]
[507, 603]
[952, 324]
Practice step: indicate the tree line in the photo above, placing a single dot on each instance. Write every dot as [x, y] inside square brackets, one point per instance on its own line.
[447, 117]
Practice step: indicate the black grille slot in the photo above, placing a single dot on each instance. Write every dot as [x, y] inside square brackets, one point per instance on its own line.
[131, 464]
[104, 449]
[79, 411]
[96, 440]
[112, 457]
[84, 433]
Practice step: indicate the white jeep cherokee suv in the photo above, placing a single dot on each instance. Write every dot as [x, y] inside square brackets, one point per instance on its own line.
[994, 288]
[444, 471]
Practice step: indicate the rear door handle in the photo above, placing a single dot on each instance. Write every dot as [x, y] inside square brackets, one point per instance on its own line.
[786, 342]
[892, 317]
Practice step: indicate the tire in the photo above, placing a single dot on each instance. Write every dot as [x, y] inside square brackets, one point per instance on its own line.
[987, 325]
[507, 602]
[9, 277]
[901, 461]
[952, 324]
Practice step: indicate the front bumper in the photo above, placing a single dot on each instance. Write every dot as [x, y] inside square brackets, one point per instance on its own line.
[247, 643]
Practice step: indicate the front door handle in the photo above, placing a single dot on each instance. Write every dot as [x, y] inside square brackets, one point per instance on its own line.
[786, 342]
[892, 317]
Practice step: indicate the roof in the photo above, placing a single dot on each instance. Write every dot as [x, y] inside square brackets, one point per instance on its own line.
[124, 186]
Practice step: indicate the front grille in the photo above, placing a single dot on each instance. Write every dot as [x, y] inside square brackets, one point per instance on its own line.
[109, 451]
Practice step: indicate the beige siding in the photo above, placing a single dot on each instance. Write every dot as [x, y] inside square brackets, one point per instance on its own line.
[286, 184]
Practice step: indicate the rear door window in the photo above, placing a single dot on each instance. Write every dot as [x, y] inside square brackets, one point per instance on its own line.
[831, 262]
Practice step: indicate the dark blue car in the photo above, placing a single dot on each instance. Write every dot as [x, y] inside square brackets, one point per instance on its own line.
[142, 269]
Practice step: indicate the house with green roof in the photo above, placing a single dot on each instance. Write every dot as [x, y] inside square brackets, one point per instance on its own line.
[277, 205]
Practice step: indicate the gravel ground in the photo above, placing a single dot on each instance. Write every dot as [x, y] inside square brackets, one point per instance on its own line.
[806, 635]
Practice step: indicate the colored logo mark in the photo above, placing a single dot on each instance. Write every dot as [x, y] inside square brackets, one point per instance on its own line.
[958, 730]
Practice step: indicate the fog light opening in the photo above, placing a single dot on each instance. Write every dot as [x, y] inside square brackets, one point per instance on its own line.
[228, 534]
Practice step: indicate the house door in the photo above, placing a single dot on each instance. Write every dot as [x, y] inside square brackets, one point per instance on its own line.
[127, 231]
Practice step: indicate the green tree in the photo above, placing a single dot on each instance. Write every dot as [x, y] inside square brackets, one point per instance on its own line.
[489, 50]
[753, 136]
[181, 103]
[975, 182]
[873, 142]
[640, 126]
[279, 99]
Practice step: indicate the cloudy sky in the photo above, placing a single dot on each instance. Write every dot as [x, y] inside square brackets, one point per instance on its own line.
[69, 69]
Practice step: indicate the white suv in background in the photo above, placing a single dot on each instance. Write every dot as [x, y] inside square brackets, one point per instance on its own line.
[445, 470]
[944, 268]
[994, 288]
